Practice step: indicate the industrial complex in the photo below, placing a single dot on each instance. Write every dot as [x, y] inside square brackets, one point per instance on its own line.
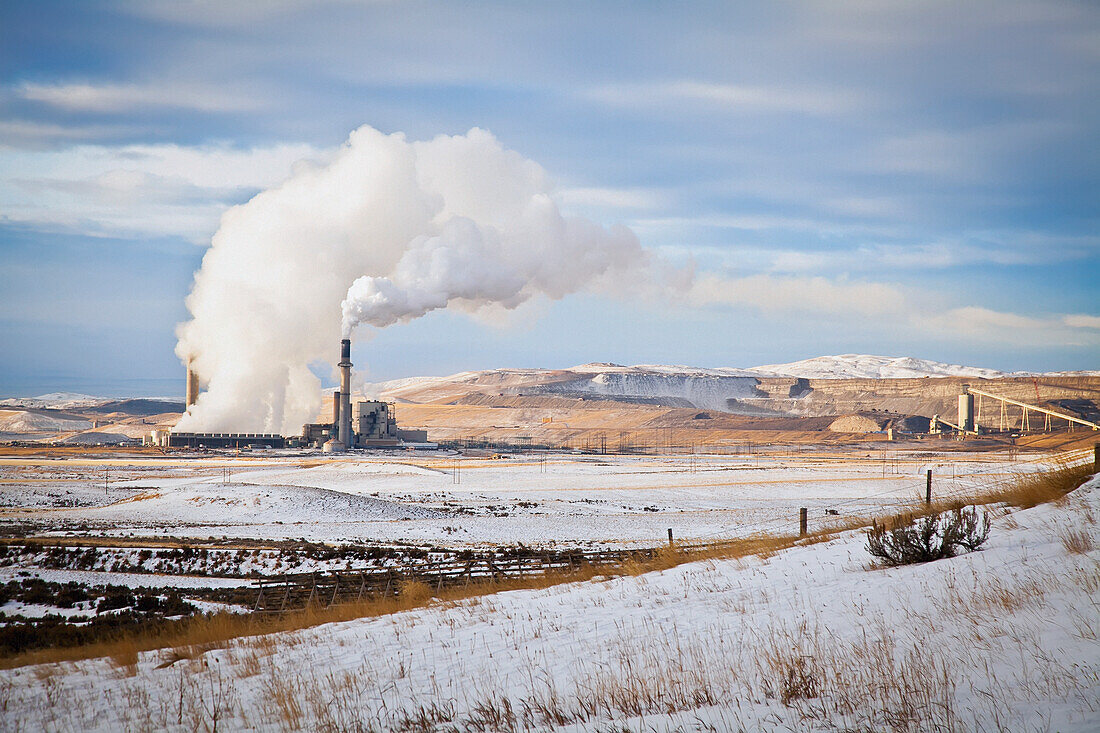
[370, 424]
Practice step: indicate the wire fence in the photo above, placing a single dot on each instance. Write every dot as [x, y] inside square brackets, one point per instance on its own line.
[448, 570]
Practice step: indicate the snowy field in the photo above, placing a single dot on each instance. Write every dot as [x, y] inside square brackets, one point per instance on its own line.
[1003, 639]
[447, 500]
[554, 501]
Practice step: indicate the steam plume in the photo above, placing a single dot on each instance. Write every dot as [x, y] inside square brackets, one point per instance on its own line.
[385, 232]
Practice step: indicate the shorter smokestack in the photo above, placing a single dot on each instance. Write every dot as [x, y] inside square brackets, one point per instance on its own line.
[344, 425]
[192, 386]
[336, 410]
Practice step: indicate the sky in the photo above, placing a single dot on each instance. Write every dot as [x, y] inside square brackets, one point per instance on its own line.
[906, 179]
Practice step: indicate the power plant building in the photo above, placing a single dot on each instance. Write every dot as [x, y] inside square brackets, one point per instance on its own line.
[373, 426]
[222, 440]
[370, 425]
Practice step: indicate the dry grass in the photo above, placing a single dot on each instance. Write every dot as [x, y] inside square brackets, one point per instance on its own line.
[1077, 541]
[1038, 488]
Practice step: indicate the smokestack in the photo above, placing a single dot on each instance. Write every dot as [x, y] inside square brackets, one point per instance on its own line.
[336, 410]
[192, 386]
[344, 424]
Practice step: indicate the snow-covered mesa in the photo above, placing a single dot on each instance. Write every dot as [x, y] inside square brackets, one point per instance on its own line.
[702, 387]
[865, 366]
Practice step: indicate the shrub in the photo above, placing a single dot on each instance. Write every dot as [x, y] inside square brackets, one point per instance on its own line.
[931, 537]
[114, 598]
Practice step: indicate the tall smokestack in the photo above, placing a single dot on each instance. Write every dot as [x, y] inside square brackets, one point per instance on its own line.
[192, 386]
[345, 392]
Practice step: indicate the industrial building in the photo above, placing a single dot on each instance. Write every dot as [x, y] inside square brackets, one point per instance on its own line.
[222, 440]
[371, 425]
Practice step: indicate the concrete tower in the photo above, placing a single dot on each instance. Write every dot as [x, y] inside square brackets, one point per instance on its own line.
[192, 386]
[966, 411]
[344, 427]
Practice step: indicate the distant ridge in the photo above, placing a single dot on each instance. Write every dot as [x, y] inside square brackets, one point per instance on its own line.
[719, 388]
[866, 366]
[840, 366]
[54, 401]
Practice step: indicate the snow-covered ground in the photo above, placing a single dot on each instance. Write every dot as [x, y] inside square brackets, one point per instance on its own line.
[1003, 639]
[132, 580]
[559, 500]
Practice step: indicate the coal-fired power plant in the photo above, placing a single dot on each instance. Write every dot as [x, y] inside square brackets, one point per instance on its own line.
[367, 424]
[370, 424]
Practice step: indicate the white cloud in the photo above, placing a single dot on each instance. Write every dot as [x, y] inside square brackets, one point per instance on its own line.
[613, 198]
[135, 190]
[984, 324]
[218, 13]
[798, 294]
[1080, 320]
[762, 222]
[747, 97]
[127, 97]
[24, 133]
[884, 306]
[967, 155]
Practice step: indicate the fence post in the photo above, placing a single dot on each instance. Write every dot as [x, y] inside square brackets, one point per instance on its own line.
[802, 522]
[928, 488]
[1096, 456]
[670, 531]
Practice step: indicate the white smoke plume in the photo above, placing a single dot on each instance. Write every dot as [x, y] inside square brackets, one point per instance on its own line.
[385, 232]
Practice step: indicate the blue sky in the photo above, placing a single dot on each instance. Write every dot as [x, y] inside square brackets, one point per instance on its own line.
[942, 156]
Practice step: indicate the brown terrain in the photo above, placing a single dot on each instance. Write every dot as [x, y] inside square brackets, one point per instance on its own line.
[787, 410]
[517, 407]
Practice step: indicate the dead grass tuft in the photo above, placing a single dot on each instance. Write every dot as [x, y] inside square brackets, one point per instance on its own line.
[1077, 541]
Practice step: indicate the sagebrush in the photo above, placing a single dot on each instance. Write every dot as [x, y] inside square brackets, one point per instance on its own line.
[931, 537]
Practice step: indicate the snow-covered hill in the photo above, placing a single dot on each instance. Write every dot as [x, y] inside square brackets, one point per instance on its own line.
[54, 401]
[865, 366]
[18, 421]
[705, 388]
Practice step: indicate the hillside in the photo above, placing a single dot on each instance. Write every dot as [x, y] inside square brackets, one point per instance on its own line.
[560, 406]
[809, 638]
